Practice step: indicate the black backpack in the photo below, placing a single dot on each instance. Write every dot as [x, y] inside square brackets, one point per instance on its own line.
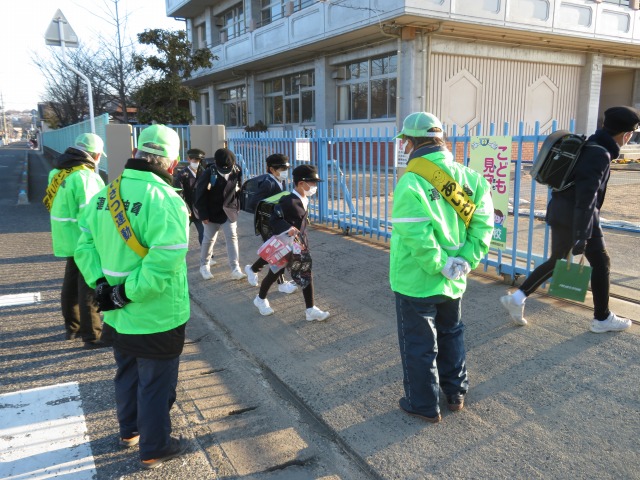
[263, 214]
[557, 158]
[250, 193]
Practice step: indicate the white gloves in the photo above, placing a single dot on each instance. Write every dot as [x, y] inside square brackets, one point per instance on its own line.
[456, 268]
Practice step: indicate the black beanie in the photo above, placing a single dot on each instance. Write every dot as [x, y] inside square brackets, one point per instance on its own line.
[621, 119]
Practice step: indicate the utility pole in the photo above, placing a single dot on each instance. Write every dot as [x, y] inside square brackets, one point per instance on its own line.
[4, 119]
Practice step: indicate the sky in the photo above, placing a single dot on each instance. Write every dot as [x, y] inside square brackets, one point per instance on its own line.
[23, 24]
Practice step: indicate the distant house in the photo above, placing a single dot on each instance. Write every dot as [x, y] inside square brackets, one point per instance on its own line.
[296, 64]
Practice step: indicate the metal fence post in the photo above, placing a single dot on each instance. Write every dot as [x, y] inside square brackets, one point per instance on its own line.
[323, 171]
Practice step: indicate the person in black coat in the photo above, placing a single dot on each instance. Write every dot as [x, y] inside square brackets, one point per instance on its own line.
[574, 217]
[217, 204]
[290, 215]
[186, 180]
[270, 184]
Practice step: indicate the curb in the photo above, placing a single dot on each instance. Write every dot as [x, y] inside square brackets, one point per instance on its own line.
[23, 192]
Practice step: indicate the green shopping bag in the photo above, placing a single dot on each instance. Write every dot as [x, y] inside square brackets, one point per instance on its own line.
[570, 280]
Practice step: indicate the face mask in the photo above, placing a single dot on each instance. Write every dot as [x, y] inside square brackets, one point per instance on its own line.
[226, 176]
[281, 176]
[312, 191]
[194, 165]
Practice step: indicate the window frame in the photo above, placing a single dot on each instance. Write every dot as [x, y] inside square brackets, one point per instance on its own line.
[236, 103]
[360, 77]
[282, 92]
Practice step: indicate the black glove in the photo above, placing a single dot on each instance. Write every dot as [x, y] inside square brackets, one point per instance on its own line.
[101, 293]
[112, 298]
[578, 247]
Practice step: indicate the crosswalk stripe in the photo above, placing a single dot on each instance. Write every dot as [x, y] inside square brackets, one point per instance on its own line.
[43, 434]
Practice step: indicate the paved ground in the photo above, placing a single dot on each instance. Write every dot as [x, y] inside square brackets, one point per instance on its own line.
[278, 397]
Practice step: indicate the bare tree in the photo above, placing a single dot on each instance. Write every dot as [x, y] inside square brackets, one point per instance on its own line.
[66, 92]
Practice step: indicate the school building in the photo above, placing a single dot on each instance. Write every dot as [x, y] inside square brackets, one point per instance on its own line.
[346, 64]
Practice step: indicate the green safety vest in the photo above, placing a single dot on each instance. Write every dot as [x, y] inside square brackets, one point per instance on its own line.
[427, 230]
[155, 283]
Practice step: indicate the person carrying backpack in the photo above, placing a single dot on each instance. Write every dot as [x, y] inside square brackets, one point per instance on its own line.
[267, 185]
[217, 204]
[186, 182]
[290, 216]
[574, 217]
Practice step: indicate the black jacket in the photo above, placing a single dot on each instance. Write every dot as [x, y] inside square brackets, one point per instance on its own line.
[578, 207]
[268, 186]
[186, 181]
[289, 212]
[221, 201]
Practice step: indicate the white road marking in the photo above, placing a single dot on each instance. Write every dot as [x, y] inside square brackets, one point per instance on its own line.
[19, 299]
[43, 434]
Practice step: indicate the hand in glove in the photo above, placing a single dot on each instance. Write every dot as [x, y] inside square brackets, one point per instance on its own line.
[101, 292]
[112, 298]
[462, 266]
[450, 269]
[578, 247]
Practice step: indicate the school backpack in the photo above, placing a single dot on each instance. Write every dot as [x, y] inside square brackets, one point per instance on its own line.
[250, 193]
[557, 158]
[263, 214]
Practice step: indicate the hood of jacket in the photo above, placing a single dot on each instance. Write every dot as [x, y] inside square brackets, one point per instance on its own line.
[72, 157]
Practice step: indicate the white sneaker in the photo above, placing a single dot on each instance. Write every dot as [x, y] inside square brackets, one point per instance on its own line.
[314, 313]
[212, 262]
[237, 274]
[613, 323]
[287, 287]
[205, 271]
[263, 306]
[515, 311]
[252, 277]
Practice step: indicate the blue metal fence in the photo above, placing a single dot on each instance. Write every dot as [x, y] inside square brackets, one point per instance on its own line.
[183, 133]
[357, 196]
[59, 140]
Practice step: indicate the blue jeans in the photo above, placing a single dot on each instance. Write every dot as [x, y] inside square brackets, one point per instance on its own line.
[431, 337]
[145, 392]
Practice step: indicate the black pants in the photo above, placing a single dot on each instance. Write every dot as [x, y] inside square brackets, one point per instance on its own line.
[79, 307]
[270, 278]
[261, 262]
[145, 392]
[596, 254]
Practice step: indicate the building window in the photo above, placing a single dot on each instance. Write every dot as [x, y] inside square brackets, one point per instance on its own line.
[617, 2]
[234, 106]
[233, 22]
[272, 10]
[200, 36]
[368, 89]
[290, 99]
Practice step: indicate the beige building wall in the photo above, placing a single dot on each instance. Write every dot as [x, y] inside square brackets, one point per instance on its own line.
[467, 90]
[617, 89]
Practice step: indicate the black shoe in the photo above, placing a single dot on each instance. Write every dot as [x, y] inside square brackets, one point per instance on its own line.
[404, 405]
[95, 344]
[455, 402]
[177, 447]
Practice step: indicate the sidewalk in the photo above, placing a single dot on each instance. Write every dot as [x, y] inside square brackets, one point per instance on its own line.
[550, 400]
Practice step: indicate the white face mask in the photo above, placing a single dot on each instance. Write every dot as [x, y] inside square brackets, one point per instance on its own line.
[226, 176]
[281, 176]
[312, 190]
[194, 165]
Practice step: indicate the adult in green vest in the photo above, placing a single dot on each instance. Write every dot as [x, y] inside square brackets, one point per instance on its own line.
[72, 183]
[133, 247]
[441, 230]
